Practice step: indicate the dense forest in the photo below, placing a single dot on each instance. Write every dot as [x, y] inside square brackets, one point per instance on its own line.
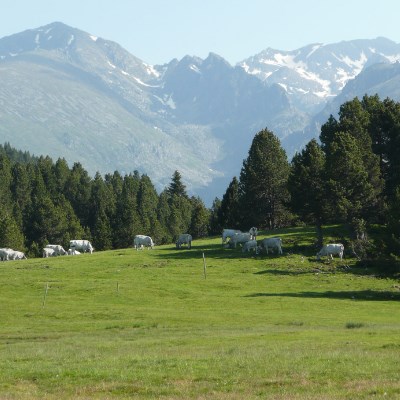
[351, 176]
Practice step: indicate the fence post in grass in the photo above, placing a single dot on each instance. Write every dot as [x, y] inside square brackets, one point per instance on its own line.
[45, 294]
[204, 267]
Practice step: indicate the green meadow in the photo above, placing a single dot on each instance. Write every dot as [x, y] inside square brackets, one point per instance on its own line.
[170, 324]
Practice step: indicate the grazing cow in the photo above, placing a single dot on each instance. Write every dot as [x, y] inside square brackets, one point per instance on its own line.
[253, 232]
[272, 243]
[48, 252]
[83, 245]
[250, 245]
[184, 238]
[142, 240]
[4, 254]
[240, 238]
[228, 233]
[16, 255]
[329, 250]
[58, 249]
[73, 252]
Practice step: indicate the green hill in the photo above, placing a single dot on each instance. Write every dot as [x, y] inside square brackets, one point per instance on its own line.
[150, 324]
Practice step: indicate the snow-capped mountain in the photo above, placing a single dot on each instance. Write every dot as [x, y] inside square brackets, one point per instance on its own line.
[66, 93]
[314, 74]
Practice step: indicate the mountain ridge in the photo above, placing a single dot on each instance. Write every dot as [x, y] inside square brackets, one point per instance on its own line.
[67, 93]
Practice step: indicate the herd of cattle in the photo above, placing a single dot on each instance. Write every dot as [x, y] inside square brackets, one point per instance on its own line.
[248, 240]
[230, 239]
[51, 250]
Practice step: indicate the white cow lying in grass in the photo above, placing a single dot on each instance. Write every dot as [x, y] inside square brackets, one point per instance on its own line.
[141, 241]
[184, 238]
[83, 245]
[58, 249]
[272, 243]
[250, 245]
[330, 250]
[73, 252]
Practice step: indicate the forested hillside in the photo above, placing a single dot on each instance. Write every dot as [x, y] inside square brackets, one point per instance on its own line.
[351, 177]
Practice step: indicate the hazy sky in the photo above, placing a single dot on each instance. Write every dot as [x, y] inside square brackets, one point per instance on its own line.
[157, 31]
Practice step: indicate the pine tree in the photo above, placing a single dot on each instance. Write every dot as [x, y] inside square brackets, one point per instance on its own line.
[176, 187]
[263, 183]
[228, 212]
[78, 192]
[349, 190]
[215, 225]
[127, 218]
[10, 234]
[147, 201]
[306, 185]
[180, 208]
[199, 224]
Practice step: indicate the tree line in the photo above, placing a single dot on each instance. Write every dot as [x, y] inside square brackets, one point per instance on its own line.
[42, 201]
[351, 176]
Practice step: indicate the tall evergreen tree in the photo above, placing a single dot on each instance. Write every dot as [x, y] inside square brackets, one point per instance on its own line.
[199, 224]
[11, 235]
[78, 192]
[215, 225]
[228, 212]
[126, 221]
[350, 191]
[180, 207]
[176, 187]
[147, 200]
[263, 183]
[306, 185]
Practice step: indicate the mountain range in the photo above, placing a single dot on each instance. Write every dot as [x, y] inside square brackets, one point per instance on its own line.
[66, 93]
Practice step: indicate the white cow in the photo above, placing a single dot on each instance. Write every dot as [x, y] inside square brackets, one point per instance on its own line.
[253, 232]
[48, 252]
[73, 252]
[58, 249]
[228, 233]
[142, 240]
[250, 245]
[83, 245]
[239, 238]
[4, 253]
[329, 250]
[184, 238]
[272, 243]
[16, 255]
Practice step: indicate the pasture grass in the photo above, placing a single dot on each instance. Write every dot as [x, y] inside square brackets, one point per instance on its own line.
[148, 324]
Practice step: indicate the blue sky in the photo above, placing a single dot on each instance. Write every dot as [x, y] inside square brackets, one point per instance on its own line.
[157, 31]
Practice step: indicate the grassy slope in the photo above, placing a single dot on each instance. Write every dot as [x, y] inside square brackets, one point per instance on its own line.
[127, 324]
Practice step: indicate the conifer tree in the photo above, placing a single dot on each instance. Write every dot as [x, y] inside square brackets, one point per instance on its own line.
[228, 211]
[127, 218]
[199, 224]
[147, 201]
[10, 234]
[306, 185]
[215, 225]
[263, 183]
[350, 192]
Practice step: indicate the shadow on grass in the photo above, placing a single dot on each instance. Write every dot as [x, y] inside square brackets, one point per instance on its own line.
[215, 251]
[370, 295]
[283, 272]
